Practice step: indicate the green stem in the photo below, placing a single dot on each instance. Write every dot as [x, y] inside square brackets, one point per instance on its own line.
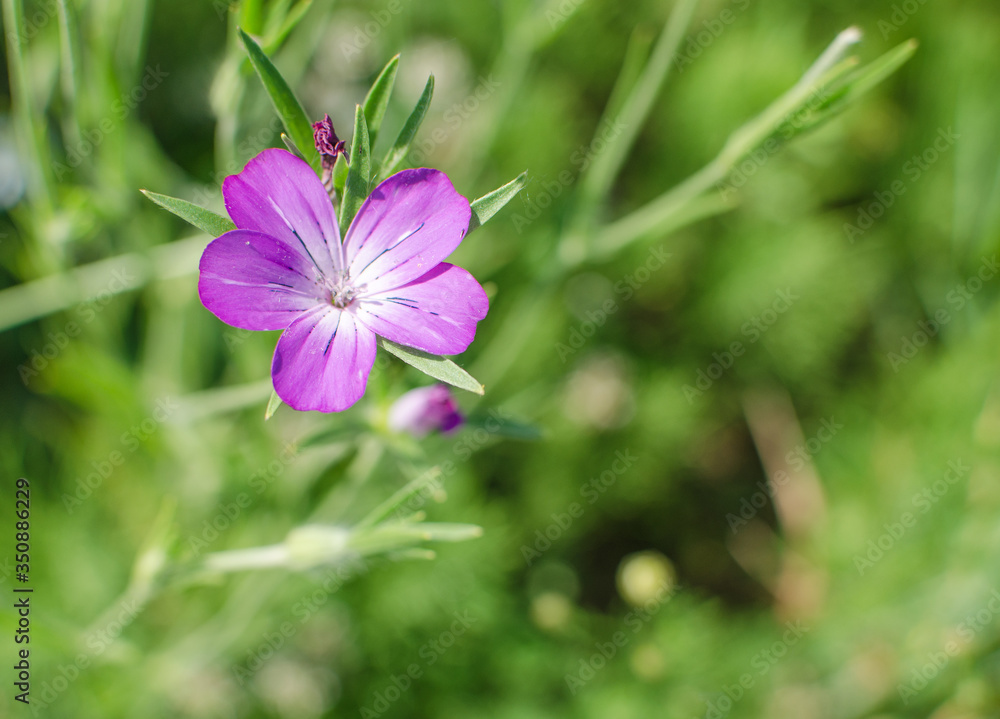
[29, 126]
[600, 176]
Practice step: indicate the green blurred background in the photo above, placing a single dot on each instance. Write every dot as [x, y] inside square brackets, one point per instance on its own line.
[862, 581]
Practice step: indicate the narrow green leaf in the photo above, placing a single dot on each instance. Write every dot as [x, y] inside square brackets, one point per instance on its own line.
[848, 87]
[397, 154]
[506, 428]
[336, 434]
[433, 365]
[251, 16]
[867, 77]
[415, 553]
[378, 99]
[636, 55]
[276, 14]
[31, 130]
[340, 174]
[488, 205]
[70, 48]
[621, 130]
[398, 498]
[291, 145]
[272, 405]
[276, 38]
[449, 532]
[201, 218]
[358, 172]
[285, 103]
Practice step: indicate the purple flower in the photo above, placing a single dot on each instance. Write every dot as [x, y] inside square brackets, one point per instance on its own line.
[424, 410]
[285, 268]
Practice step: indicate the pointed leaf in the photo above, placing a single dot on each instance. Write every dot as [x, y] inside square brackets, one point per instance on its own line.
[201, 218]
[395, 157]
[378, 99]
[272, 405]
[433, 365]
[358, 172]
[291, 145]
[285, 103]
[867, 77]
[488, 205]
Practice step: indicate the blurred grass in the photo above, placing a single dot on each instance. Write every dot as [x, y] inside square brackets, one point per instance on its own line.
[826, 357]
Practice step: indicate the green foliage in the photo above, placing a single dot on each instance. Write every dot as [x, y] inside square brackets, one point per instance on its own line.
[738, 452]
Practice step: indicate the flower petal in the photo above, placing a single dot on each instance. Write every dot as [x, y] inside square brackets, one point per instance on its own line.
[255, 281]
[436, 313]
[322, 361]
[279, 194]
[409, 223]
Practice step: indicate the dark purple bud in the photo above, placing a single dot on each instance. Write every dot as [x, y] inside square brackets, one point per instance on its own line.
[327, 143]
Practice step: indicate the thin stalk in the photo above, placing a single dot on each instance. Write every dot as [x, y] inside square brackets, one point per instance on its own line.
[29, 125]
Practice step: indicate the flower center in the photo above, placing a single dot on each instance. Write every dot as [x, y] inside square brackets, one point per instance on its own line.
[342, 291]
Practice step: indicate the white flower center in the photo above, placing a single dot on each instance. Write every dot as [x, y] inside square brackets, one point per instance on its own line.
[342, 290]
